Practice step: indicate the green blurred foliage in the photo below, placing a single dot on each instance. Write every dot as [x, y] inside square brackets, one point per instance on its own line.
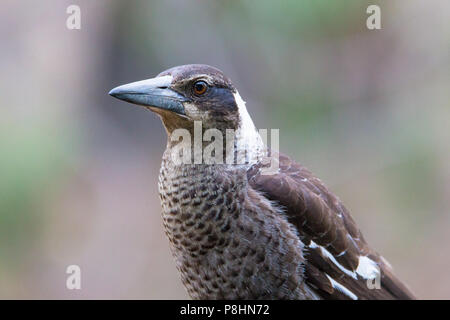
[32, 161]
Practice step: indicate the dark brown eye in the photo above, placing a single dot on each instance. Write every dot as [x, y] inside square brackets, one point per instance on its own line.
[200, 87]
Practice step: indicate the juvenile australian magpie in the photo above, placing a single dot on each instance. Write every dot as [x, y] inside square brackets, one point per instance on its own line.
[236, 233]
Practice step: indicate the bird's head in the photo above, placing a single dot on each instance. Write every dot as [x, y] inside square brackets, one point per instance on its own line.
[184, 94]
[194, 93]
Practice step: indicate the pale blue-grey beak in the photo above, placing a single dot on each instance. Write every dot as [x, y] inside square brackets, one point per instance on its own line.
[154, 92]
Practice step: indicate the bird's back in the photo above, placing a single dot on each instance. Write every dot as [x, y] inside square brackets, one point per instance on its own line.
[339, 263]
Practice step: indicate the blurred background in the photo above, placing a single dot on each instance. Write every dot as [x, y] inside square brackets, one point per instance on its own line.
[368, 111]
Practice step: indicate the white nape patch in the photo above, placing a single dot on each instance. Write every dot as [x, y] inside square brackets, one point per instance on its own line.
[328, 254]
[367, 268]
[247, 137]
[339, 287]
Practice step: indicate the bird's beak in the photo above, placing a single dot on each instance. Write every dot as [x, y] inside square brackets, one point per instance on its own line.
[151, 93]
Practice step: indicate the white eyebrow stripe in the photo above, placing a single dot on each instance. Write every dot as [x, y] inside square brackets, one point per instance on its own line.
[339, 287]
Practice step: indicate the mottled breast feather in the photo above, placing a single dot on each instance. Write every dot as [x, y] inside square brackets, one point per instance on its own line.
[335, 248]
[229, 241]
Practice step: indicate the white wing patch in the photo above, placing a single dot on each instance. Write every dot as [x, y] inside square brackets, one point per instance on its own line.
[328, 254]
[367, 268]
[339, 287]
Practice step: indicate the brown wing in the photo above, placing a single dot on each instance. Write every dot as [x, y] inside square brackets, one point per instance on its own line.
[340, 264]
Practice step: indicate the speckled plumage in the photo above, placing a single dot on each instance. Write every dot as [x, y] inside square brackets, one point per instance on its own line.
[229, 242]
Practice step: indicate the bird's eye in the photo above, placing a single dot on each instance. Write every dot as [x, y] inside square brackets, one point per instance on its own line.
[200, 87]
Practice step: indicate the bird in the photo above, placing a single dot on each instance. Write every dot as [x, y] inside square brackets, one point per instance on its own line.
[238, 230]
